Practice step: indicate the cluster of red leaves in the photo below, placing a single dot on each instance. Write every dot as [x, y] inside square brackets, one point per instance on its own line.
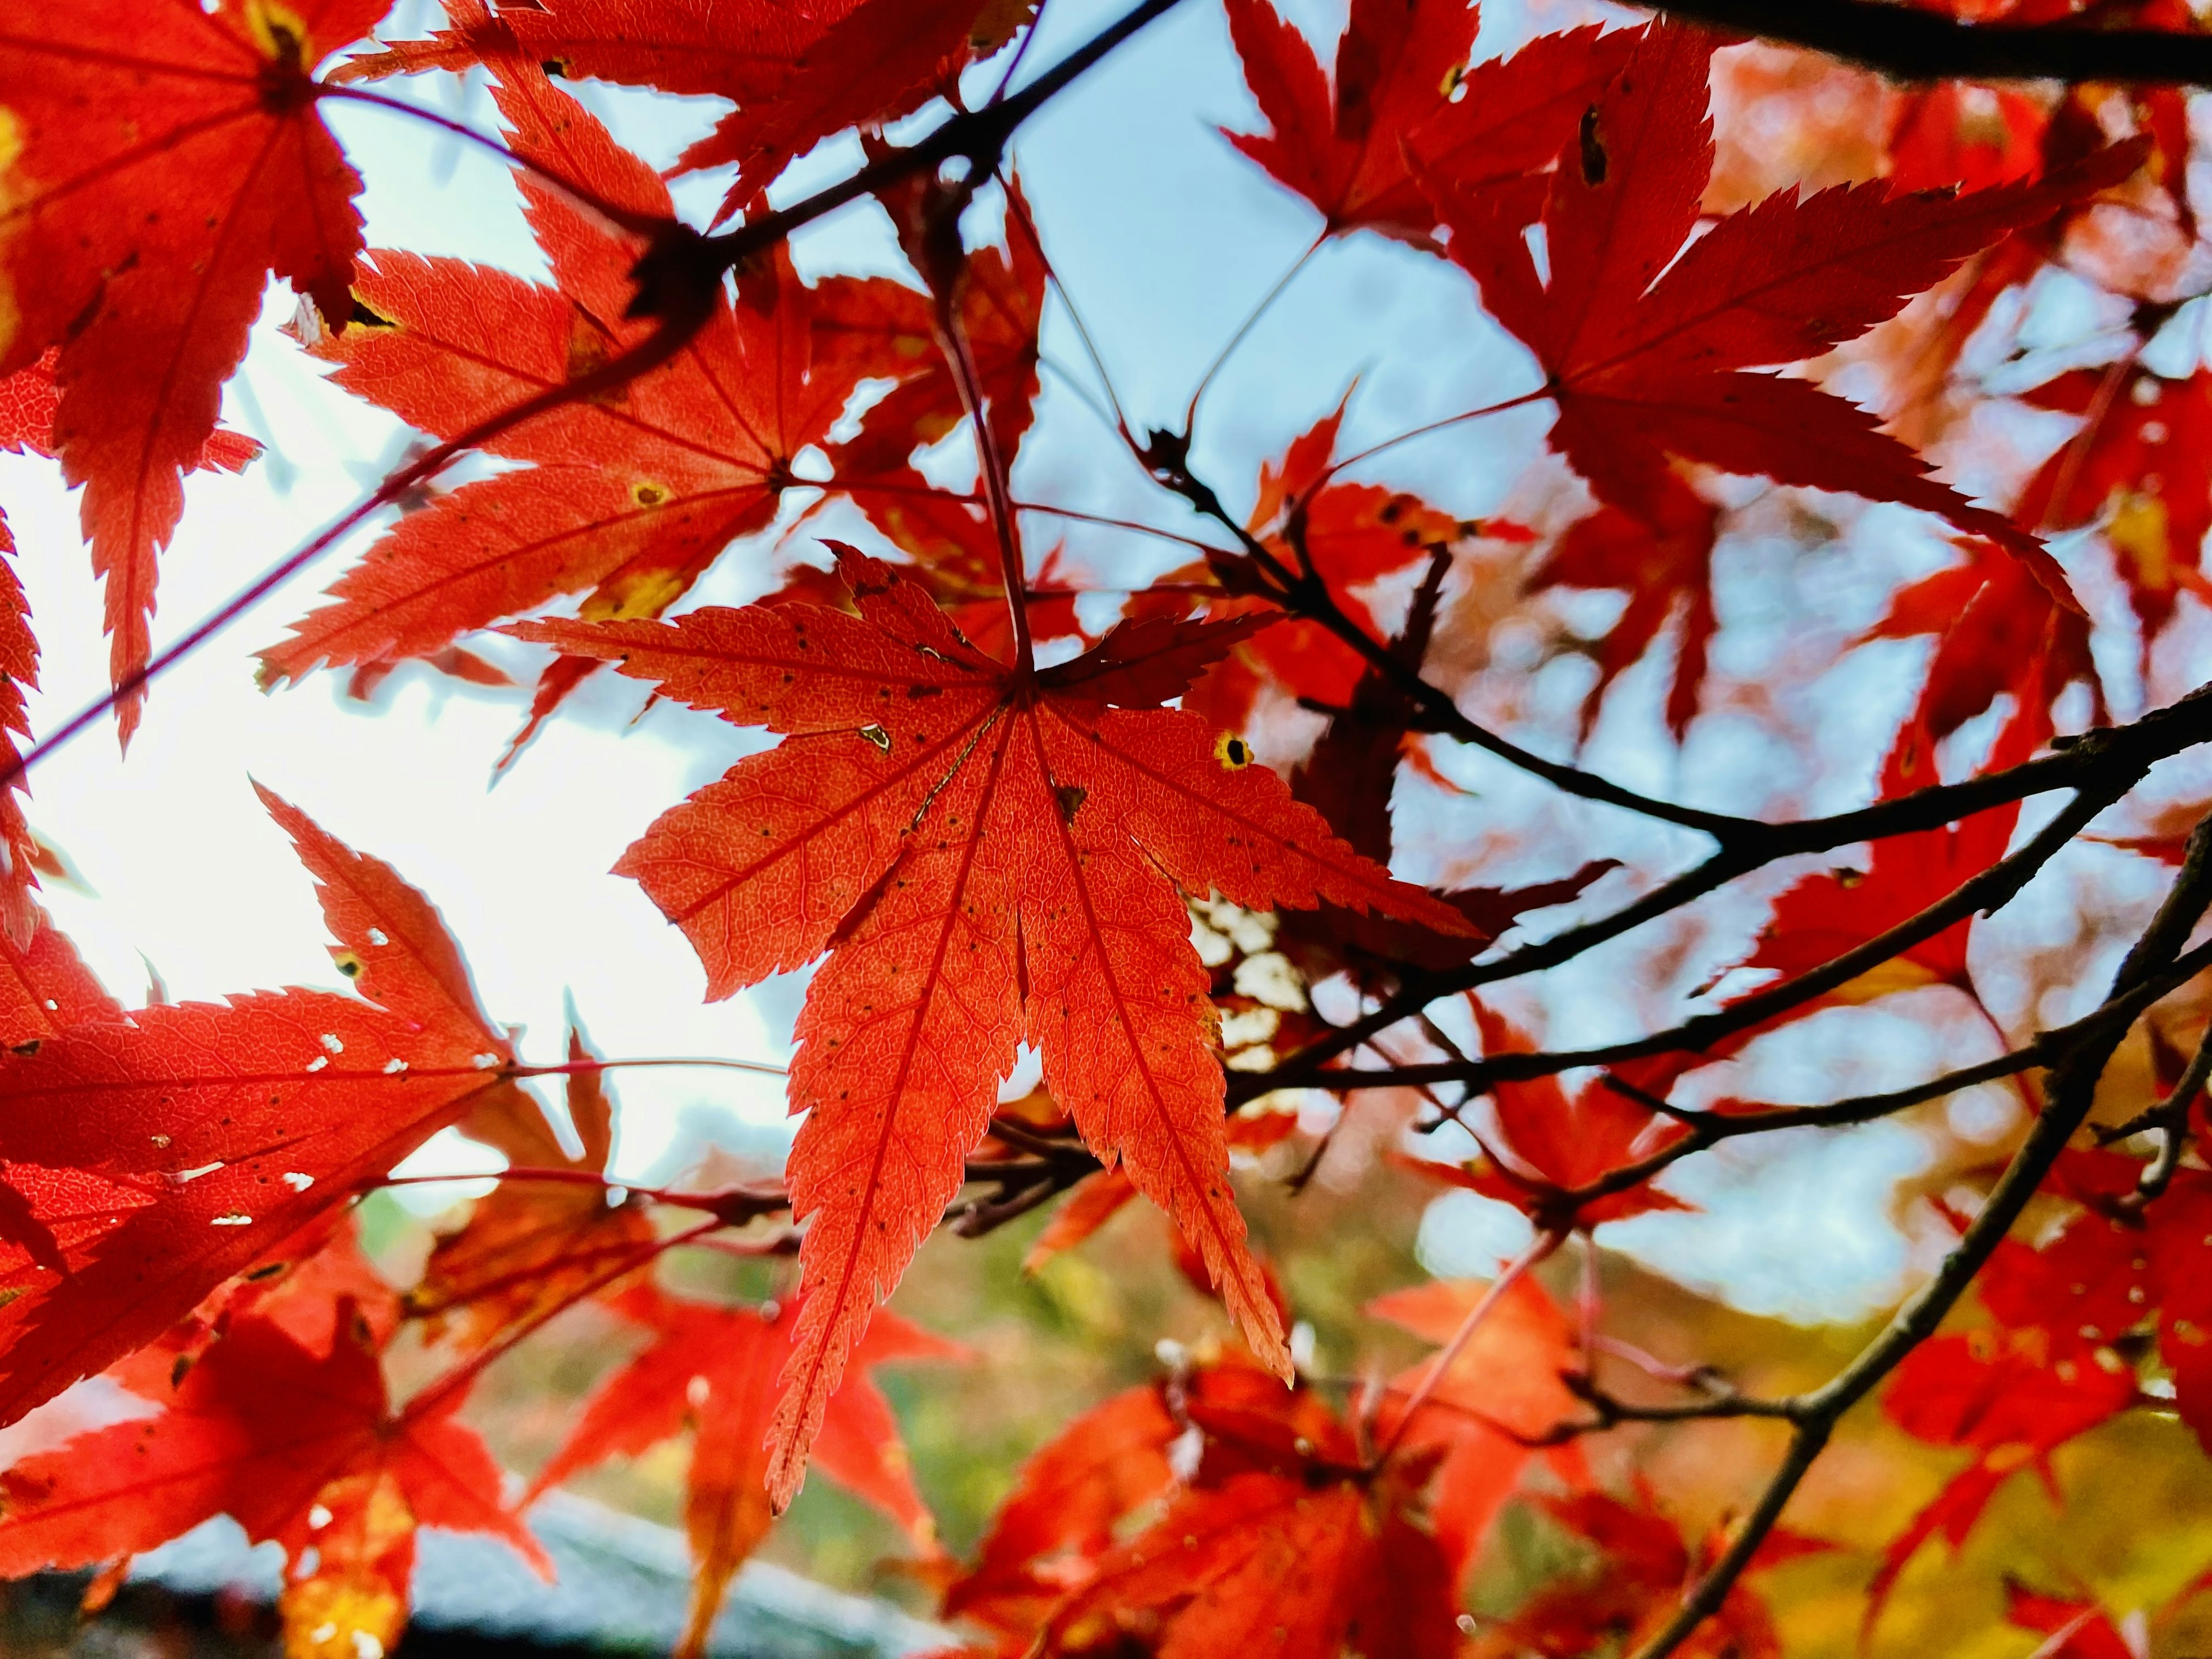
[981, 854]
[2069, 1321]
[1216, 1509]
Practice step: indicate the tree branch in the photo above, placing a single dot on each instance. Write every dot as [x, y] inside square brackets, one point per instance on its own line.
[1913, 45]
[2073, 1091]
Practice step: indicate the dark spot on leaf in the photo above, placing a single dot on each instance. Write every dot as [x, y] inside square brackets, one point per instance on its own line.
[1593, 148]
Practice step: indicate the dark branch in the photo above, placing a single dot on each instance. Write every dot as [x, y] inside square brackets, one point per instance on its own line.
[2073, 1092]
[1925, 45]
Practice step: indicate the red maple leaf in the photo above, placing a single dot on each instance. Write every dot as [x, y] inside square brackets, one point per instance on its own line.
[1064, 1510]
[1283, 1540]
[797, 75]
[1402, 82]
[296, 1446]
[2046, 1370]
[1645, 1565]
[873, 328]
[2136, 470]
[1395, 66]
[990, 856]
[1501, 1391]
[1998, 630]
[532, 1247]
[218, 1132]
[1826, 915]
[1663, 557]
[717, 1369]
[630, 496]
[165, 159]
[1552, 1143]
[1645, 344]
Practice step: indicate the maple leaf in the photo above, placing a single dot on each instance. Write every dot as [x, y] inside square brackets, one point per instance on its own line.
[296, 1446]
[1395, 65]
[989, 857]
[630, 496]
[1501, 1391]
[717, 1369]
[1402, 83]
[226, 1129]
[1645, 1564]
[1826, 915]
[1664, 560]
[797, 76]
[530, 1247]
[1063, 1512]
[1352, 535]
[872, 327]
[1645, 344]
[150, 189]
[1283, 1539]
[2133, 469]
[1555, 1143]
[2046, 1371]
[1998, 630]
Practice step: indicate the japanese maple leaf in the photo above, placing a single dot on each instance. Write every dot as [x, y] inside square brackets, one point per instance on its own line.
[166, 158]
[1998, 630]
[990, 856]
[2136, 469]
[297, 1447]
[2130, 1268]
[1645, 344]
[223, 1129]
[1284, 1543]
[1665, 562]
[1402, 81]
[1551, 1143]
[1826, 915]
[1066, 1505]
[627, 497]
[797, 75]
[1395, 66]
[2045, 1370]
[874, 328]
[2081, 1629]
[716, 1369]
[530, 1247]
[2013, 1400]
[1501, 1391]
[1353, 534]
[1645, 1566]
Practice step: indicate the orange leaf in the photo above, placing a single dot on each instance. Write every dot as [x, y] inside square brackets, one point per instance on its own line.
[923, 800]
